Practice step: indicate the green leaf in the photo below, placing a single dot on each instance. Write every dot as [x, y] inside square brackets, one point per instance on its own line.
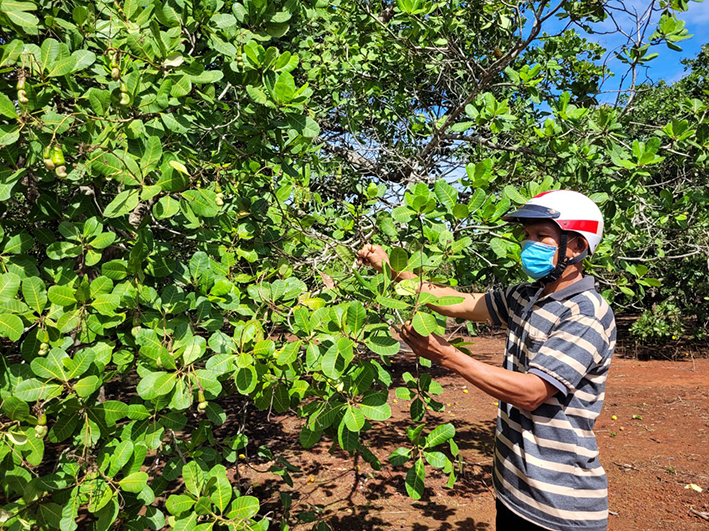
[435, 459]
[448, 300]
[284, 88]
[477, 200]
[202, 202]
[61, 250]
[348, 439]
[15, 409]
[512, 193]
[9, 134]
[199, 263]
[103, 240]
[304, 125]
[50, 49]
[51, 367]
[221, 490]
[177, 504]
[7, 108]
[256, 94]
[16, 438]
[123, 203]
[244, 508]
[332, 363]
[289, 353]
[79, 364]
[216, 414]
[424, 323]
[146, 386]
[62, 66]
[115, 269]
[9, 285]
[35, 293]
[86, 386]
[309, 438]
[31, 390]
[383, 344]
[460, 211]
[374, 405]
[181, 85]
[35, 447]
[446, 194]
[193, 475]
[415, 479]
[21, 18]
[100, 285]
[106, 303]
[166, 207]
[354, 418]
[134, 482]
[394, 304]
[113, 411]
[417, 409]
[69, 321]
[151, 155]
[11, 326]
[440, 435]
[246, 380]
[51, 514]
[18, 244]
[356, 317]
[120, 457]
[398, 259]
[83, 59]
[400, 456]
[61, 295]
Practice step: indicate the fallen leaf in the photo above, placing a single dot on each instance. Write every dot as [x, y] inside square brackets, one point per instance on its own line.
[327, 280]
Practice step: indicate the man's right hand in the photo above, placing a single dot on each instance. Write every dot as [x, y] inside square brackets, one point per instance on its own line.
[372, 255]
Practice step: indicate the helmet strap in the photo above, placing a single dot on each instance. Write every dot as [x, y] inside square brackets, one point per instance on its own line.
[561, 265]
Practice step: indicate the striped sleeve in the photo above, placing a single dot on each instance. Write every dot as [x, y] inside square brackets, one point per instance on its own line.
[498, 306]
[574, 348]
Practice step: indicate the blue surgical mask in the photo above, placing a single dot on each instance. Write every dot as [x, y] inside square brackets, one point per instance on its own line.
[537, 258]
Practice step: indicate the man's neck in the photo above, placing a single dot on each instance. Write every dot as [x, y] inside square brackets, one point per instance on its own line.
[571, 275]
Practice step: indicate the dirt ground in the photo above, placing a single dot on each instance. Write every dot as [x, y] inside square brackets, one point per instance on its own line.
[653, 435]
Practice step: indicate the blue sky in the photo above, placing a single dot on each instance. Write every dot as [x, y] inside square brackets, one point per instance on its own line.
[667, 66]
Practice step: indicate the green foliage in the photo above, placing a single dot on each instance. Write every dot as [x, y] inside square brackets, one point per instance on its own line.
[184, 184]
[659, 325]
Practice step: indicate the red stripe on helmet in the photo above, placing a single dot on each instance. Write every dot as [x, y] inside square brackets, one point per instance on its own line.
[551, 192]
[584, 225]
[545, 193]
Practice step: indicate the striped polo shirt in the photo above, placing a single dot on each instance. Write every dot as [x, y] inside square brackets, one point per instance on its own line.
[546, 466]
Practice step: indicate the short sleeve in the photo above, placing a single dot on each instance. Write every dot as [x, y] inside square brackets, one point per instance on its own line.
[498, 305]
[575, 347]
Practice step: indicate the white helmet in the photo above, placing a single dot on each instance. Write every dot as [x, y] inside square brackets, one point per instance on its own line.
[572, 211]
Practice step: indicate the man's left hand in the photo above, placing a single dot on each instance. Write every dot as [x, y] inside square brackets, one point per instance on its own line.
[432, 347]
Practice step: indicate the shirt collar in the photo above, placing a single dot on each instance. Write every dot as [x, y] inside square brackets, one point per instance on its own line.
[585, 284]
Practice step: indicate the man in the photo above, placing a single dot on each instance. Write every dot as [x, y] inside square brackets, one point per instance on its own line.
[560, 339]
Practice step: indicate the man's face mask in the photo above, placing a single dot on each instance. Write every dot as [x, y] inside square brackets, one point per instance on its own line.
[537, 258]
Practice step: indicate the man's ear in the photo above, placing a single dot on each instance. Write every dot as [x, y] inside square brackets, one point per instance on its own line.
[578, 246]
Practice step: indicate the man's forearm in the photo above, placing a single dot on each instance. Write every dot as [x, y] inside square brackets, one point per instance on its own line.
[525, 391]
[471, 308]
